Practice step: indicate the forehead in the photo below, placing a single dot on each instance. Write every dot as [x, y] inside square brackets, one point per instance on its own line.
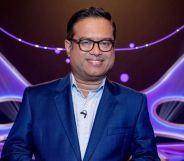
[93, 27]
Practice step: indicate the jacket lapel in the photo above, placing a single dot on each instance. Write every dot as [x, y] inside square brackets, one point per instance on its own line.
[63, 100]
[104, 112]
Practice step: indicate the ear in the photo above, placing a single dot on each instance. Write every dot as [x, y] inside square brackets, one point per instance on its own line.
[68, 47]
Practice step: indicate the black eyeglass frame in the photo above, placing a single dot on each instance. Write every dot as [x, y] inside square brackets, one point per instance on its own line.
[94, 42]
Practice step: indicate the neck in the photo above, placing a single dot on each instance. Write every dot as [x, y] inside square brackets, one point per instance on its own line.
[87, 86]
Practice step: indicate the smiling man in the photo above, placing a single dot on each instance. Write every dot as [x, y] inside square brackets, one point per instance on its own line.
[91, 51]
[84, 116]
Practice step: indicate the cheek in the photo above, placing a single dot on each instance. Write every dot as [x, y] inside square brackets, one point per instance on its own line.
[111, 59]
[77, 60]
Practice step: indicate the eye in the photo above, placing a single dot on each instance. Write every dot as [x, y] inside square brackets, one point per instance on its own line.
[85, 42]
[105, 43]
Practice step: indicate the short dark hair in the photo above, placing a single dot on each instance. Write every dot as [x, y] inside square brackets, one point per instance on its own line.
[85, 13]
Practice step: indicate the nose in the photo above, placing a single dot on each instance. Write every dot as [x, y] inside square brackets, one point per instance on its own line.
[95, 51]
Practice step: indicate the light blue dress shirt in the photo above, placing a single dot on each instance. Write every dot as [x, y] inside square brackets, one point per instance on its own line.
[85, 111]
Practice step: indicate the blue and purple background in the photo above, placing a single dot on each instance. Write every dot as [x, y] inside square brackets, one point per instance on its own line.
[149, 57]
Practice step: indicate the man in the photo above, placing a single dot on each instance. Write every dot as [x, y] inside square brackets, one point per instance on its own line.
[83, 116]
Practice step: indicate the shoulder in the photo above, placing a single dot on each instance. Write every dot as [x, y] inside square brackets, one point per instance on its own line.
[121, 90]
[46, 88]
[43, 86]
[128, 98]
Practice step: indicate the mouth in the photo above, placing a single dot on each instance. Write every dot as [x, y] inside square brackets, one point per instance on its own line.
[95, 62]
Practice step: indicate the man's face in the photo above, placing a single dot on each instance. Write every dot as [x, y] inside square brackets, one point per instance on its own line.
[92, 65]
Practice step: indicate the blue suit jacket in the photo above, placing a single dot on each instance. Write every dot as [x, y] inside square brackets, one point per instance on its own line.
[45, 126]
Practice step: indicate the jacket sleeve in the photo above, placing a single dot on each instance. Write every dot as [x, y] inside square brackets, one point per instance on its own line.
[144, 144]
[18, 146]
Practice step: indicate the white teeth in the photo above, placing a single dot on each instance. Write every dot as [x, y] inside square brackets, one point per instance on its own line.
[95, 62]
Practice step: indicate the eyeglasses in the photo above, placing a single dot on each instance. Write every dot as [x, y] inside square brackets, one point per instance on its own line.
[87, 45]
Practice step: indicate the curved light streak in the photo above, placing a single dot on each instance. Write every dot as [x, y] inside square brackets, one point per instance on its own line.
[16, 98]
[167, 88]
[161, 120]
[172, 151]
[169, 73]
[116, 49]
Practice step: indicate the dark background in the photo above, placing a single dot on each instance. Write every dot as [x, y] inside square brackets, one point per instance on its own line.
[43, 22]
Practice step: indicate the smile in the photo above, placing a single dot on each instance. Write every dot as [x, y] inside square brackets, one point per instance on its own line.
[95, 62]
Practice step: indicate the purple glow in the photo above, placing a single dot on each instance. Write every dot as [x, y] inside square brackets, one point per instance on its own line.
[124, 77]
[29, 43]
[132, 47]
[57, 51]
[171, 151]
[166, 89]
[169, 88]
[15, 81]
[67, 60]
[12, 85]
[151, 43]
